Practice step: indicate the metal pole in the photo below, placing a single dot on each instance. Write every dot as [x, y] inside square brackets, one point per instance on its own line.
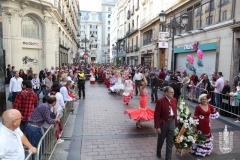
[85, 50]
[117, 54]
[105, 57]
[173, 31]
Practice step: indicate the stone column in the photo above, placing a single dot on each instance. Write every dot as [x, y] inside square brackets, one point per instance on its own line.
[2, 69]
[49, 41]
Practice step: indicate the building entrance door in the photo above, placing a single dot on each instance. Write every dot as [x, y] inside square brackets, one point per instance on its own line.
[162, 57]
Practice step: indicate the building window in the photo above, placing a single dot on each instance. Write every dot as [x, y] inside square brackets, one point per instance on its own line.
[137, 41]
[30, 28]
[147, 37]
[209, 20]
[108, 28]
[133, 23]
[90, 26]
[197, 24]
[109, 22]
[224, 15]
[82, 18]
[109, 9]
[109, 15]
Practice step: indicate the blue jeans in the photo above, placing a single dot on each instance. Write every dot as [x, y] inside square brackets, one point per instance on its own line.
[33, 134]
[36, 91]
[217, 99]
[44, 91]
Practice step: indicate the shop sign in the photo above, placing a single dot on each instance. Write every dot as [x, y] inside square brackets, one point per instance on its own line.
[163, 36]
[162, 44]
[30, 43]
[192, 46]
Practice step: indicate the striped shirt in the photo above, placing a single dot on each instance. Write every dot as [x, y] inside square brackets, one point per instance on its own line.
[11, 147]
[41, 114]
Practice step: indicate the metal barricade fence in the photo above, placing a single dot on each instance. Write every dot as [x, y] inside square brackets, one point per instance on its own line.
[228, 105]
[48, 142]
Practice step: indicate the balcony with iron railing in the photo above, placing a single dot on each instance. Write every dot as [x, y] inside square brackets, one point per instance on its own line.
[146, 20]
[223, 2]
[136, 48]
[130, 49]
[127, 50]
[147, 42]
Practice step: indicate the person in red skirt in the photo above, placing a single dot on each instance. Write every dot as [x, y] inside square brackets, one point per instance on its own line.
[128, 90]
[142, 113]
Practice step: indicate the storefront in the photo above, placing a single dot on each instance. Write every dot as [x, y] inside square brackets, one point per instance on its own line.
[187, 57]
[63, 55]
[147, 58]
[31, 54]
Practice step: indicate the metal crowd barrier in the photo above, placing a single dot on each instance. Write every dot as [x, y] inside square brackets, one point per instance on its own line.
[48, 142]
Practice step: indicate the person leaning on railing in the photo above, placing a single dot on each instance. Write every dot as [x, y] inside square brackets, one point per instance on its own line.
[41, 114]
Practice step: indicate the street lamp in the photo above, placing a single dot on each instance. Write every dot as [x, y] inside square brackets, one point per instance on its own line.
[174, 26]
[85, 41]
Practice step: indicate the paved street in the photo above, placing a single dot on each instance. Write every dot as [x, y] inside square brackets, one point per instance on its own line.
[102, 131]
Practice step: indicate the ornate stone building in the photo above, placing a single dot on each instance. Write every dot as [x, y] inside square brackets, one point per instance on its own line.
[40, 34]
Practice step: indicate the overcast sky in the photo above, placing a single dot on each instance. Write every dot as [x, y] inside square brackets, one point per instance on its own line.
[88, 5]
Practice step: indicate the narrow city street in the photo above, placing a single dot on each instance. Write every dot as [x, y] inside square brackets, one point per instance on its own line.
[102, 131]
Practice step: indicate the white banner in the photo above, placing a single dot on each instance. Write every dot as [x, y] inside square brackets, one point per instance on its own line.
[162, 44]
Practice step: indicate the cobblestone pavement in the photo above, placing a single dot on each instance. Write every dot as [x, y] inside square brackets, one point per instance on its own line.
[109, 134]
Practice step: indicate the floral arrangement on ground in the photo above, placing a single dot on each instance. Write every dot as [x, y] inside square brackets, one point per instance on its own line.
[185, 133]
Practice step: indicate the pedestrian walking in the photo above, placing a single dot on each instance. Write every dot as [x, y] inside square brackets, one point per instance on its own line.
[137, 79]
[165, 119]
[154, 88]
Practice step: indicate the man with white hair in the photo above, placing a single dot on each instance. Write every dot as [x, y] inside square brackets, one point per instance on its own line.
[12, 138]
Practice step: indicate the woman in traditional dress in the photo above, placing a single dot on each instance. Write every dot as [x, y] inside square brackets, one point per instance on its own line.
[112, 81]
[128, 90]
[203, 114]
[142, 113]
[118, 85]
[92, 78]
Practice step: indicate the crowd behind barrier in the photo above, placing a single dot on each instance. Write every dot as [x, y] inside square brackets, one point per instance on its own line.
[48, 142]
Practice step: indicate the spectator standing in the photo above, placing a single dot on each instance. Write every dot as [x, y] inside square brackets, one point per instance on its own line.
[22, 74]
[15, 85]
[13, 71]
[42, 82]
[64, 91]
[137, 79]
[236, 79]
[30, 74]
[12, 138]
[218, 89]
[25, 102]
[36, 84]
[39, 116]
[60, 102]
[53, 72]
[8, 74]
[48, 82]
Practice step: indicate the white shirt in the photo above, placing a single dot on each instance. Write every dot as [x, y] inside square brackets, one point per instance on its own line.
[11, 147]
[138, 77]
[15, 84]
[64, 92]
[60, 103]
[171, 111]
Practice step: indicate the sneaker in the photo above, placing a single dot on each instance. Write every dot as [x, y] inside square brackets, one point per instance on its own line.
[60, 141]
[237, 121]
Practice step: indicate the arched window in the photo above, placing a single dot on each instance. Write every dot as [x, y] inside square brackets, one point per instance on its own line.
[30, 28]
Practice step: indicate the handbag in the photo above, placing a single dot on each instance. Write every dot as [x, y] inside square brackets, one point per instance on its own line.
[10, 97]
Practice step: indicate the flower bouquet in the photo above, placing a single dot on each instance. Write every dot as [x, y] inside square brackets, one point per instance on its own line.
[185, 133]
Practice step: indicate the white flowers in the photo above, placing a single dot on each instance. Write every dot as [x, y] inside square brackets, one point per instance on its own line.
[191, 139]
[181, 138]
[186, 125]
